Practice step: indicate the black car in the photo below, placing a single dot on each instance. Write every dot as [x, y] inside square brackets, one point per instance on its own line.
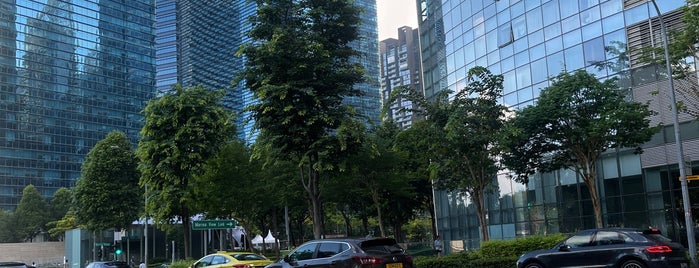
[108, 264]
[13, 264]
[611, 247]
[346, 253]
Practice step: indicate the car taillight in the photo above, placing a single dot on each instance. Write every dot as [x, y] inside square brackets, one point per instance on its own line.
[366, 260]
[659, 249]
[242, 266]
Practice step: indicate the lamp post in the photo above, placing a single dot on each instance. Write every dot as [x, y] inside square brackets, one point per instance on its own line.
[145, 228]
[688, 221]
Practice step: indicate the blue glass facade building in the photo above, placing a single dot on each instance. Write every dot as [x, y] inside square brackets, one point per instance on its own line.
[71, 72]
[368, 105]
[529, 41]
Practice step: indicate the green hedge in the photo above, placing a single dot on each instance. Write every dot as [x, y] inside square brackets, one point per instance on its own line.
[491, 254]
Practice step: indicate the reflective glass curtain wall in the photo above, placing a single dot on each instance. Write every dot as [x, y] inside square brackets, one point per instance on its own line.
[529, 41]
[71, 72]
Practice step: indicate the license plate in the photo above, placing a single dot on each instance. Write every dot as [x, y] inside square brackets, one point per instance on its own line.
[394, 265]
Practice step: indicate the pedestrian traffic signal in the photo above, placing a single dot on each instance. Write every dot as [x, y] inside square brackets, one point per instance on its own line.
[99, 253]
[117, 251]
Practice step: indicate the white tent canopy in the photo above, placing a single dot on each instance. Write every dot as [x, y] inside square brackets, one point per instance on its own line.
[268, 240]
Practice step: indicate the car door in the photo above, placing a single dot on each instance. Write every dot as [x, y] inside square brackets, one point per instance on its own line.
[607, 246]
[332, 254]
[203, 262]
[219, 261]
[573, 252]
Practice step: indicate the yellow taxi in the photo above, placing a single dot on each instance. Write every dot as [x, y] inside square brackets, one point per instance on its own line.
[227, 259]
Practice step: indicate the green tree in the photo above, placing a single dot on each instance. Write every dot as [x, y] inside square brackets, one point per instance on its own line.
[183, 130]
[58, 228]
[574, 121]
[59, 206]
[475, 121]
[8, 227]
[31, 213]
[107, 194]
[298, 67]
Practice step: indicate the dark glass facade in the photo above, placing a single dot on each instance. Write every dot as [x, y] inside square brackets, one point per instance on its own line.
[528, 42]
[369, 104]
[71, 72]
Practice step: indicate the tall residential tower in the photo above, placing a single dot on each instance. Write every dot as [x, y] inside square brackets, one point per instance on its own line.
[400, 66]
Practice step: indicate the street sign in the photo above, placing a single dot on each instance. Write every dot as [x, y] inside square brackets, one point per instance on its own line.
[214, 224]
[691, 178]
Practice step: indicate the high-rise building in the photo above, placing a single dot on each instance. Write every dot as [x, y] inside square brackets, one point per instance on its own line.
[368, 105]
[400, 66]
[529, 42]
[71, 71]
[197, 43]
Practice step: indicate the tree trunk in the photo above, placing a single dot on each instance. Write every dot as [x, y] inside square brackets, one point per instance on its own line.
[433, 217]
[477, 197]
[590, 179]
[187, 231]
[377, 204]
[312, 187]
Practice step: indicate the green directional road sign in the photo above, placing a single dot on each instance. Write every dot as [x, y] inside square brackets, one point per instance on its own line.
[214, 224]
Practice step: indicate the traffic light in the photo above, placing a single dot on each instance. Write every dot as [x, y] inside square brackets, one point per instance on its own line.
[99, 252]
[117, 251]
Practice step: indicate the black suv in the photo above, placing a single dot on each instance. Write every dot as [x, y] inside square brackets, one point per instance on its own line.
[341, 253]
[611, 247]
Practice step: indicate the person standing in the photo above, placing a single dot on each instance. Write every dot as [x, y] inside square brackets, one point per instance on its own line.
[438, 246]
[142, 265]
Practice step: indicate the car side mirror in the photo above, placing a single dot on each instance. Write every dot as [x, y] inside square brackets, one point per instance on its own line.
[564, 248]
[290, 260]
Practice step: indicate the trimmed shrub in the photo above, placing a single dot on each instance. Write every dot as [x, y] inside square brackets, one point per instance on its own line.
[514, 248]
[182, 264]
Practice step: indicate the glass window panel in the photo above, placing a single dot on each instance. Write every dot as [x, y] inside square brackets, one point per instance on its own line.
[520, 45]
[534, 19]
[525, 94]
[630, 164]
[539, 71]
[506, 52]
[570, 24]
[517, 9]
[594, 51]
[509, 84]
[554, 45]
[536, 37]
[505, 34]
[537, 51]
[589, 16]
[508, 64]
[572, 38]
[568, 8]
[491, 23]
[524, 78]
[493, 57]
[480, 47]
[555, 63]
[634, 202]
[613, 22]
[636, 14]
[632, 184]
[469, 54]
[552, 31]
[574, 57]
[504, 16]
[511, 99]
[591, 31]
[587, 3]
[519, 27]
[491, 39]
[550, 9]
[521, 58]
[529, 4]
[610, 168]
[611, 7]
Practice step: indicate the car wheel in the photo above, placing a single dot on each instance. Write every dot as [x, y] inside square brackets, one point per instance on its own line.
[632, 264]
[534, 265]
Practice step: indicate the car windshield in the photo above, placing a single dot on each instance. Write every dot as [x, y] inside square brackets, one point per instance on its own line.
[12, 265]
[247, 257]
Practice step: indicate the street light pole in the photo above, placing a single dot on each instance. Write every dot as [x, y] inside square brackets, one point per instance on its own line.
[688, 221]
[145, 226]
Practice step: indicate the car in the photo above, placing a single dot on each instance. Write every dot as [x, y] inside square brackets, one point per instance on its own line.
[108, 264]
[610, 247]
[234, 259]
[13, 264]
[346, 253]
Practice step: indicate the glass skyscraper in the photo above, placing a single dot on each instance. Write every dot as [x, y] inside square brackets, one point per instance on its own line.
[369, 104]
[71, 72]
[528, 42]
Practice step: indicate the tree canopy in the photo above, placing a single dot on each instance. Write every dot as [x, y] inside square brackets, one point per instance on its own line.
[574, 121]
[31, 213]
[183, 130]
[107, 194]
[299, 69]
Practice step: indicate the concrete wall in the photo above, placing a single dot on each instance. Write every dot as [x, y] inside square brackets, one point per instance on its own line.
[44, 254]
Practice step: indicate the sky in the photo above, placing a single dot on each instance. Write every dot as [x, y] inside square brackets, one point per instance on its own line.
[393, 14]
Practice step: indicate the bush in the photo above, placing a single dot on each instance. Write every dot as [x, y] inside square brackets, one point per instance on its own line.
[516, 247]
[182, 264]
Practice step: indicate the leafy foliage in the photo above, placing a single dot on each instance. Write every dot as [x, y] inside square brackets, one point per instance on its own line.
[183, 130]
[8, 225]
[30, 213]
[574, 121]
[107, 194]
[298, 67]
